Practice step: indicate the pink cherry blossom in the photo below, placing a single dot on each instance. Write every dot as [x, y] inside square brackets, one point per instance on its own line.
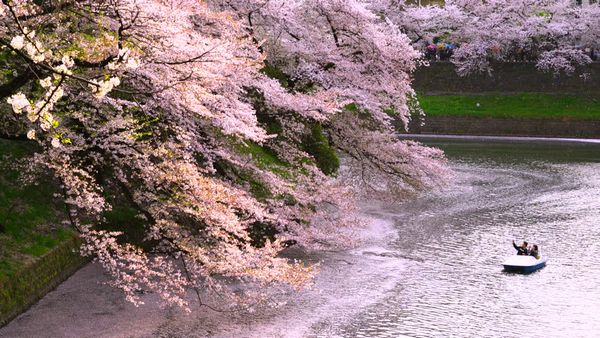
[164, 106]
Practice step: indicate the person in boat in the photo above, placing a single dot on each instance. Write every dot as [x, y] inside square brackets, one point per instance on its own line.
[521, 250]
[535, 252]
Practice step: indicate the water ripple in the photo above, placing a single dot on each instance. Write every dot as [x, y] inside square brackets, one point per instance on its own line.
[457, 238]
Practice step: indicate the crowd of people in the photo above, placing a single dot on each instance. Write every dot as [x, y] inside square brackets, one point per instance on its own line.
[440, 51]
[525, 250]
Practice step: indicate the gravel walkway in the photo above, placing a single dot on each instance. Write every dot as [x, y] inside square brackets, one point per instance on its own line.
[85, 307]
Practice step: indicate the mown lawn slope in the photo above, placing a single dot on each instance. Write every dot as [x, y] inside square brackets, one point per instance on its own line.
[30, 215]
[526, 105]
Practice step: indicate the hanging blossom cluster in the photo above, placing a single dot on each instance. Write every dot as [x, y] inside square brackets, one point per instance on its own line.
[347, 49]
[123, 61]
[101, 88]
[40, 111]
[30, 45]
[338, 47]
[218, 123]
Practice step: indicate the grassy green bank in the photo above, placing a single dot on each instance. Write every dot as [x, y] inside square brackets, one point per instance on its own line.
[30, 214]
[37, 251]
[30, 283]
[517, 106]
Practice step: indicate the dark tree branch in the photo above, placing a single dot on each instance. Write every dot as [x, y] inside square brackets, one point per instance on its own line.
[99, 64]
[9, 88]
[191, 60]
[333, 30]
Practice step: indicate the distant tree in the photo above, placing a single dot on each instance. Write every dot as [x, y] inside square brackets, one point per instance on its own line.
[556, 34]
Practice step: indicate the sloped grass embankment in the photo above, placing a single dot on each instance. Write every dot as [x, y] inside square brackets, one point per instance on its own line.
[36, 250]
[517, 106]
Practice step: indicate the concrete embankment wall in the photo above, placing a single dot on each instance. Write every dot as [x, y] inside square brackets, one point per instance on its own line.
[512, 127]
[440, 78]
[33, 282]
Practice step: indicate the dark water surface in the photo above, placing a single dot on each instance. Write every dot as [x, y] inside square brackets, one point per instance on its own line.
[428, 268]
[545, 192]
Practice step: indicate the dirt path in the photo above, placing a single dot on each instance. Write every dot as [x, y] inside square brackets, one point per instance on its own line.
[85, 307]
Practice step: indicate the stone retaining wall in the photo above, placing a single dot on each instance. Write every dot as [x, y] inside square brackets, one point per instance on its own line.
[508, 127]
[18, 293]
[441, 78]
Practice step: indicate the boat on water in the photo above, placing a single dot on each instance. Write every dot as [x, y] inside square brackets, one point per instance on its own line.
[523, 264]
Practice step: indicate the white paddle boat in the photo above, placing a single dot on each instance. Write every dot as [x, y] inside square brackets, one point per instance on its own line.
[523, 264]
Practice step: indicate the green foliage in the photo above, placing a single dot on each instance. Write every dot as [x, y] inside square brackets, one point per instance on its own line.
[287, 82]
[526, 105]
[265, 158]
[277, 74]
[274, 127]
[544, 13]
[317, 145]
[44, 243]
[29, 215]
[271, 125]
[364, 115]
[257, 188]
[146, 125]
[351, 107]
[6, 65]
[123, 217]
[261, 155]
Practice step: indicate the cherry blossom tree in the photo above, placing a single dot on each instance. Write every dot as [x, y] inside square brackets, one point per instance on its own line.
[346, 49]
[218, 123]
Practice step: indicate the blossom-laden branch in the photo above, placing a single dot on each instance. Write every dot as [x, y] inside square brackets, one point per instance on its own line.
[172, 107]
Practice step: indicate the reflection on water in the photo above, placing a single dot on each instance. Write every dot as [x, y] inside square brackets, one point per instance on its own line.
[439, 277]
[548, 194]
